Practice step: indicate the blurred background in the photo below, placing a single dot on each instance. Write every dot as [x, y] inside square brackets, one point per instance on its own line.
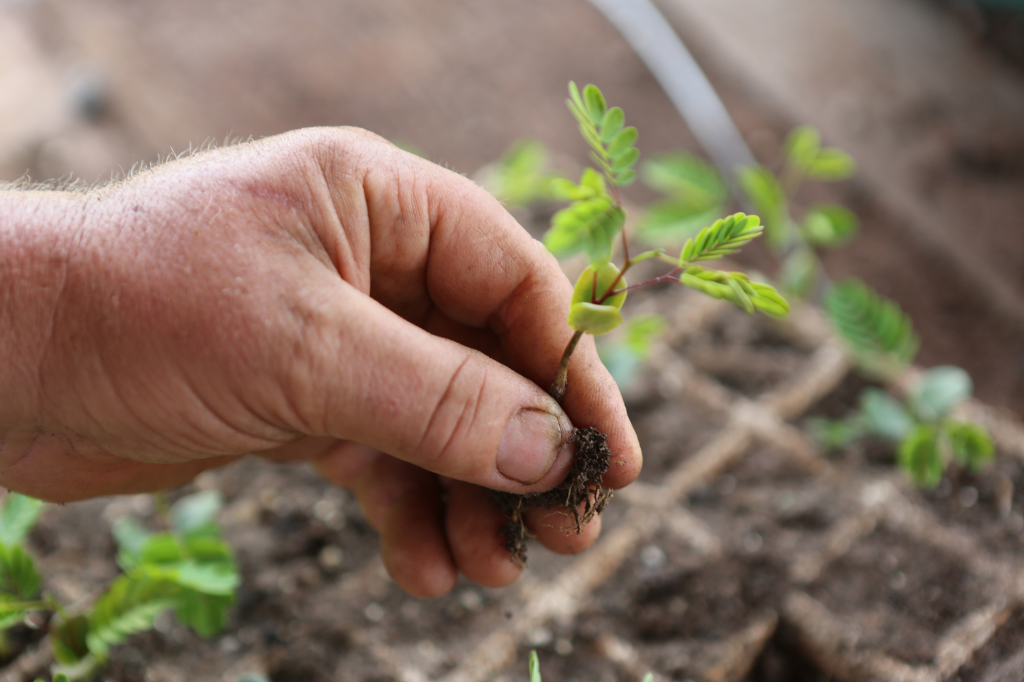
[928, 97]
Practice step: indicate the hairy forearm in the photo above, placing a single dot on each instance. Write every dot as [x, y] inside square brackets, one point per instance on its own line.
[38, 236]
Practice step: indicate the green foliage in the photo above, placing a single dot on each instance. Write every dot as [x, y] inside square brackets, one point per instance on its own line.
[521, 177]
[18, 514]
[884, 415]
[723, 238]
[131, 604]
[611, 142]
[919, 456]
[805, 155]
[59, 677]
[535, 670]
[876, 331]
[766, 194]
[623, 354]
[829, 225]
[941, 389]
[696, 197]
[971, 445]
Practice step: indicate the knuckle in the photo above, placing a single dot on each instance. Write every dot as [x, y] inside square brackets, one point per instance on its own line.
[447, 435]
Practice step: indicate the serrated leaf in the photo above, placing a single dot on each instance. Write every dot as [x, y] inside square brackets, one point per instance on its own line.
[941, 389]
[884, 415]
[18, 575]
[622, 142]
[920, 458]
[18, 514]
[830, 165]
[612, 123]
[194, 513]
[829, 225]
[802, 146]
[595, 104]
[970, 444]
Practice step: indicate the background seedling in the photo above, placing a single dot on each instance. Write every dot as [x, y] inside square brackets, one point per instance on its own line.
[187, 569]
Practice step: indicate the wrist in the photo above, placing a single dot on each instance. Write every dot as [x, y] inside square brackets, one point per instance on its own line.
[39, 233]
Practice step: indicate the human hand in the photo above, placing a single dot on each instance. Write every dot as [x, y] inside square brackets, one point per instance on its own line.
[319, 295]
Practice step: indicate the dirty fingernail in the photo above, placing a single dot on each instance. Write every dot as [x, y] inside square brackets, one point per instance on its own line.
[529, 445]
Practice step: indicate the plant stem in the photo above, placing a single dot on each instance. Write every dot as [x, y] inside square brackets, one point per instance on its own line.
[557, 389]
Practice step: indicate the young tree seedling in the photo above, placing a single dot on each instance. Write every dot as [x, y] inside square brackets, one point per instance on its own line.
[593, 223]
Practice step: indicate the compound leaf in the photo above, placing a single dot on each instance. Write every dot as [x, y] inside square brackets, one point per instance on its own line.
[623, 142]
[800, 272]
[130, 605]
[18, 514]
[68, 639]
[724, 237]
[595, 104]
[876, 331]
[829, 225]
[205, 613]
[971, 444]
[831, 164]
[612, 123]
[941, 389]
[920, 457]
[802, 146]
[687, 178]
[766, 194]
[589, 225]
[19, 578]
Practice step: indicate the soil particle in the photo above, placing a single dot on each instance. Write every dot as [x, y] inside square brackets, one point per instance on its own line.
[901, 594]
[581, 493]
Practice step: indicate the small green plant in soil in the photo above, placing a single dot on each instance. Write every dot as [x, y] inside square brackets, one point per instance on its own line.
[594, 224]
[535, 670]
[878, 335]
[927, 438]
[186, 569]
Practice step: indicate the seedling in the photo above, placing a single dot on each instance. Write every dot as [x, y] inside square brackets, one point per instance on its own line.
[187, 569]
[593, 224]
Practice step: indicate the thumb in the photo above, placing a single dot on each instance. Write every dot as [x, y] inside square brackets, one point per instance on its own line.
[382, 381]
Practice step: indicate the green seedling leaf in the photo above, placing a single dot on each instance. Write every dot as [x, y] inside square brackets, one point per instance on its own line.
[130, 537]
[598, 280]
[612, 124]
[875, 330]
[941, 389]
[625, 160]
[766, 194]
[829, 226]
[534, 667]
[623, 142]
[130, 605]
[594, 182]
[594, 319]
[920, 457]
[19, 579]
[195, 513]
[213, 579]
[590, 225]
[595, 104]
[971, 445]
[68, 639]
[674, 221]
[830, 165]
[802, 146]
[18, 514]
[204, 613]
[686, 178]
[884, 415]
[642, 330]
[833, 434]
[161, 549]
[625, 178]
[521, 177]
[800, 273]
[724, 237]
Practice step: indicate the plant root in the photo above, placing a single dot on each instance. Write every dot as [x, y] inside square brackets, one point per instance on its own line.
[581, 492]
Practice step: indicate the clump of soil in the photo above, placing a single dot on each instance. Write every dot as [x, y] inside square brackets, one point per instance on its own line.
[581, 493]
